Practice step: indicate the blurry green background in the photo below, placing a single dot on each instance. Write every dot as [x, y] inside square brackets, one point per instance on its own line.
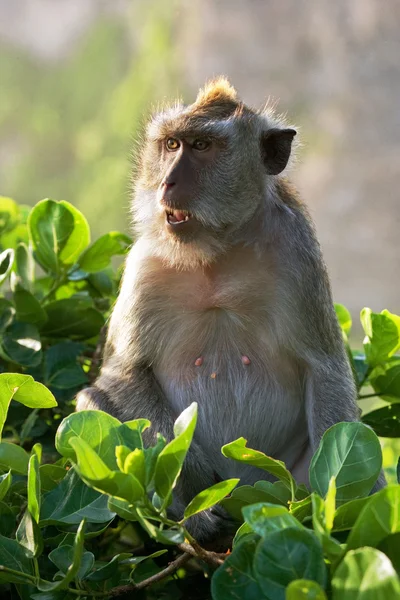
[77, 78]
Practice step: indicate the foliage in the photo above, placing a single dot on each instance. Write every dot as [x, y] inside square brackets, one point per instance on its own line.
[87, 515]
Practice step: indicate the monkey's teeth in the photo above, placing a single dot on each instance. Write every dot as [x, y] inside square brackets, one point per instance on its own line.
[175, 217]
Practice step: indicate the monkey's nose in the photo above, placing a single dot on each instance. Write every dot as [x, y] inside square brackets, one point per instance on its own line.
[168, 184]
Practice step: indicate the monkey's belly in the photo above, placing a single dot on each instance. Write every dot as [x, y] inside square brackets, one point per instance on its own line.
[260, 400]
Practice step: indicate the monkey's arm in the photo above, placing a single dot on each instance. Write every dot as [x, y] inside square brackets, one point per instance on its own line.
[128, 392]
[330, 390]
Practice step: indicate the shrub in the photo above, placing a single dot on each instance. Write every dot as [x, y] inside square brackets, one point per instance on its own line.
[85, 516]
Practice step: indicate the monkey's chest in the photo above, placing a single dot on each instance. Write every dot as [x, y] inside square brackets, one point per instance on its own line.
[228, 362]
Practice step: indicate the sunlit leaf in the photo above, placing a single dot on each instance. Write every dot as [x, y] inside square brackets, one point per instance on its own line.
[365, 574]
[23, 389]
[209, 497]
[238, 451]
[378, 518]
[351, 453]
[304, 589]
[170, 460]
[98, 256]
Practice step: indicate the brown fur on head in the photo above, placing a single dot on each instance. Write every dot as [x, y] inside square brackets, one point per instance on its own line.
[218, 189]
[218, 99]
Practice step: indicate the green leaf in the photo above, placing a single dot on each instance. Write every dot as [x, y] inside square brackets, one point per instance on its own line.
[7, 520]
[388, 385]
[9, 214]
[6, 263]
[344, 318]
[235, 578]
[121, 452]
[382, 335]
[71, 501]
[123, 508]
[29, 535]
[98, 429]
[301, 509]
[21, 344]
[351, 453]
[72, 317]
[135, 464]
[59, 233]
[34, 488]
[385, 421]
[365, 574]
[50, 226]
[266, 518]
[73, 569]
[29, 309]
[262, 491]
[111, 568]
[50, 476]
[322, 519]
[63, 558]
[347, 514]
[13, 457]
[61, 369]
[25, 265]
[96, 473]
[304, 589]
[209, 497]
[172, 536]
[238, 451]
[98, 256]
[7, 314]
[13, 556]
[170, 460]
[286, 555]
[23, 389]
[5, 482]
[391, 547]
[79, 238]
[245, 530]
[379, 518]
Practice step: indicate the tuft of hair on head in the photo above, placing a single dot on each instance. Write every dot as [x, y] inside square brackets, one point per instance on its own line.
[219, 96]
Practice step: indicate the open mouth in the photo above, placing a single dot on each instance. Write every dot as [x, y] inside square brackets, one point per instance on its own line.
[177, 217]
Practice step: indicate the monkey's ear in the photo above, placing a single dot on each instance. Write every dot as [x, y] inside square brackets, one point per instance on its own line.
[276, 145]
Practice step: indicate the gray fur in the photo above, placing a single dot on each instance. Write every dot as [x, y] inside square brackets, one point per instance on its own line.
[253, 283]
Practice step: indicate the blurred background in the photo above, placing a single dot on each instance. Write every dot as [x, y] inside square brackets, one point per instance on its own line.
[77, 77]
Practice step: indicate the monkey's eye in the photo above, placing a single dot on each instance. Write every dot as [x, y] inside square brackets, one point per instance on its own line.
[201, 145]
[172, 144]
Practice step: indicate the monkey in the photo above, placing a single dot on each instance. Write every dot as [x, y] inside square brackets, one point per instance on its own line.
[225, 300]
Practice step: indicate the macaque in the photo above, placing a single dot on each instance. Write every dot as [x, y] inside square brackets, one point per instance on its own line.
[225, 300]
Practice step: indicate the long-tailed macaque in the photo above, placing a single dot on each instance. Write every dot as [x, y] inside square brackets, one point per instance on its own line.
[225, 299]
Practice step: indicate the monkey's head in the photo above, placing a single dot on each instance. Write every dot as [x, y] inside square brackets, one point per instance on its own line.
[205, 171]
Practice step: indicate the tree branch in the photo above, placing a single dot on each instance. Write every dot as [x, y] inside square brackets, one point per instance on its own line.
[172, 567]
[212, 558]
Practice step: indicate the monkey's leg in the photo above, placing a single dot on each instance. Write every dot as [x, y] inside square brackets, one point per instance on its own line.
[136, 394]
[330, 399]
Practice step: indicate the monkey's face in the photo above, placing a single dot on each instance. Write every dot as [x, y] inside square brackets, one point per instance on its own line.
[203, 176]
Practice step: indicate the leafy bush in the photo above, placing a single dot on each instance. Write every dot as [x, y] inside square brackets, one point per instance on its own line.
[86, 516]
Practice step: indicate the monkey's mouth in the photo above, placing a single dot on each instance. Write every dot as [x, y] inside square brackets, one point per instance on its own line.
[177, 217]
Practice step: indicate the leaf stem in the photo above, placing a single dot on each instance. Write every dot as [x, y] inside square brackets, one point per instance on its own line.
[30, 578]
[362, 397]
[364, 379]
[56, 284]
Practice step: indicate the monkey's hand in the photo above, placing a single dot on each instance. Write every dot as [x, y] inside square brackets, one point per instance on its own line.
[92, 398]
